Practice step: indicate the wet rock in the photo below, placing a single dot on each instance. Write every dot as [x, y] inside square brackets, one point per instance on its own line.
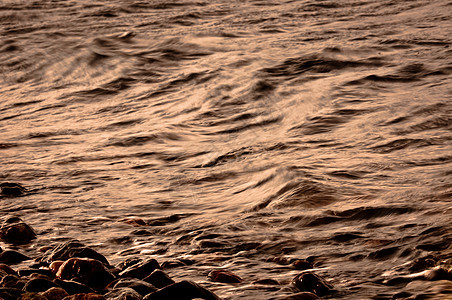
[39, 285]
[267, 281]
[55, 266]
[11, 257]
[32, 296]
[73, 287]
[54, 293]
[11, 189]
[301, 264]
[89, 296]
[29, 271]
[159, 279]
[300, 296]
[224, 276]
[123, 294]
[141, 269]
[16, 231]
[183, 290]
[71, 249]
[12, 281]
[140, 286]
[310, 282]
[88, 271]
[175, 263]
[7, 269]
[438, 273]
[10, 293]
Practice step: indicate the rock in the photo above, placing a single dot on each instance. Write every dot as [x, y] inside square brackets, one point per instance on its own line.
[39, 285]
[88, 271]
[55, 266]
[140, 270]
[140, 286]
[11, 257]
[7, 293]
[13, 281]
[169, 264]
[10, 189]
[73, 287]
[183, 290]
[54, 293]
[310, 282]
[123, 294]
[89, 296]
[29, 271]
[159, 279]
[224, 276]
[16, 231]
[301, 264]
[268, 281]
[71, 249]
[32, 296]
[7, 269]
[300, 296]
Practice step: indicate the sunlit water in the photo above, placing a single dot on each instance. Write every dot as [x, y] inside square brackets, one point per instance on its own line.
[299, 128]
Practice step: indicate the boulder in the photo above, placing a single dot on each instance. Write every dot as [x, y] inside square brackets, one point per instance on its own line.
[16, 231]
[55, 293]
[32, 296]
[300, 296]
[7, 293]
[224, 276]
[141, 269]
[11, 257]
[310, 282]
[88, 271]
[71, 249]
[159, 279]
[11, 189]
[73, 287]
[39, 285]
[123, 294]
[12, 281]
[140, 286]
[184, 290]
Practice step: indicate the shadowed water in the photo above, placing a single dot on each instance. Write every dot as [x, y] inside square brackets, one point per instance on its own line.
[302, 128]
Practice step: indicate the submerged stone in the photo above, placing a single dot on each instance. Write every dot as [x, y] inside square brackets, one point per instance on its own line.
[11, 189]
[159, 279]
[54, 293]
[224, 276]
[16, 231]
[70, 249]
[123, 294]
[310, 282]
[183, 290]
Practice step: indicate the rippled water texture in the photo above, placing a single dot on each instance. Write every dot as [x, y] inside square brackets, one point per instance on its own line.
[304, 128]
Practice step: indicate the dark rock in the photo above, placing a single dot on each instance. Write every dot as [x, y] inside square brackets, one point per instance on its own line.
[16, 231]
[88, 271]
[140, 270]
[438, 273]
[55, 266]
[169, 264]
[7, 293]
[12, 281]
[73, 287]
[10, 189]
[70, 249]
[300, 296]
[55, 293]
[267, 281]
[184, 290]
[301, 264]
[123, 294]
[10, 257]
[140, 286]
[32, 296]
[310, 282]
[224, 276]
[159, 279]
[422, 263]
[85, 296]
[7, 269]
[39, 285]
[29, 271]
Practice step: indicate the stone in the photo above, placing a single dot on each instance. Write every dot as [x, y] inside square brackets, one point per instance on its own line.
[268, 281]
[224, 276]
[54, 293]
[141, 269]
[55, 266]
[39, 285]
[32, 296]
[301, 264]
[159, 279]
[90, 272]
[7, 293]
[16, 231]
[140, 286]
[300, 296]
[11, 257]
[310, 282]
[89, 296]
[7, 269]
[123, 294]
[29, 271]
[11, 189]
[71, 249]
[73, 287]
[12, 281]
[183, 290]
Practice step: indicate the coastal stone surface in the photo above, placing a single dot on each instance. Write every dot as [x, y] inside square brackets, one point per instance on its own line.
[310, 282]
[11, 189]
[123, 294]
[73, 287]
[11, 257]
[72, 248]
[39, 285]
[140, 286]
[140, 269]
[182, 290]
[15, 231]
[159, 279]
[224, 276]
[89, 296]
[88, 271]
[54, 293]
